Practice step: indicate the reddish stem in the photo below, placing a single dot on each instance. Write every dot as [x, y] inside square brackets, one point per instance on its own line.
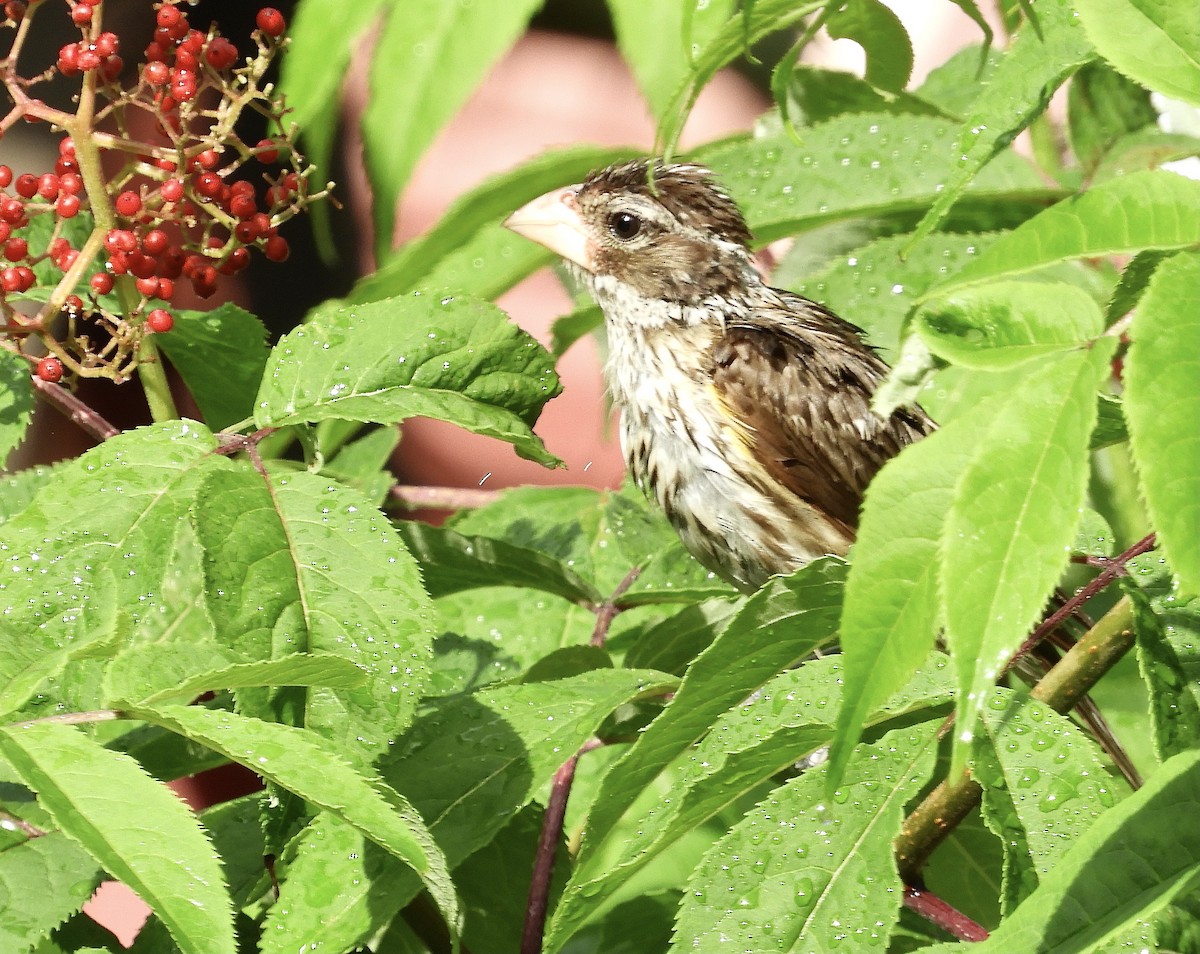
[936, 911]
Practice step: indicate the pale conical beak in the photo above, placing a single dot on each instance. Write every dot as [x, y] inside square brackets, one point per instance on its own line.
[553, 220]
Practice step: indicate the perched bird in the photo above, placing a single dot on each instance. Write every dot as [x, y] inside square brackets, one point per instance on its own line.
[745, 409]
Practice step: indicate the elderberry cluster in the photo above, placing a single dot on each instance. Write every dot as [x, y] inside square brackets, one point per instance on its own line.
[153, 189]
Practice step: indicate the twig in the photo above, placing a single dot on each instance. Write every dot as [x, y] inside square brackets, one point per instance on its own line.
[607, 611]
[12, 821]
[936, 911]
[1079, 670]
[67, 404]
[443, 498]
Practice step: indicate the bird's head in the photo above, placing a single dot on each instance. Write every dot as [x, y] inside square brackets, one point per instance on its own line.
[680, 239]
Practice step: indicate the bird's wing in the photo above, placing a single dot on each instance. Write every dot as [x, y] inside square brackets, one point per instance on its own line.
[798, 381]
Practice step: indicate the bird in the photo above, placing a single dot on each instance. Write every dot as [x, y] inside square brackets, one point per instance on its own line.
[745, 409]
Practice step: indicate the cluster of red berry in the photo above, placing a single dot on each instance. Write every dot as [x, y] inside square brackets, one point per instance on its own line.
[132, 208]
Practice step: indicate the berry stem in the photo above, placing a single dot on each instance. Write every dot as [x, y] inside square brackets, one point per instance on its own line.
[67, 404]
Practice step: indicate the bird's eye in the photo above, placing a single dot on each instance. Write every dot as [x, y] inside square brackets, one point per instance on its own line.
[624, 225]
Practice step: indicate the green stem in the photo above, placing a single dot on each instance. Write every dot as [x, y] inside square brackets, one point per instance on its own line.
[154, 382]
[1062, 687]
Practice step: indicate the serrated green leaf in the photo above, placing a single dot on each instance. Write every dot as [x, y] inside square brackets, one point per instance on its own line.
[1130, 863]
[1007, 323]
[954, 85]
[123, 817]
[43, 881]
[891, 613]
[1148, 149]
[16, 401]
[469, 765]
[220, 355]
[69, 579]
[454, 359]
[737, 35]
[851, 166]
[1162, 405]
[806, 873]
[1143, 210]
[1041, 57]
[1044, 785]
[671, 645]
[362, 463]
[1155, 42]
[309, 669]
[1167, 628]
[416, 85]
[297, 563]
[782, 622]
[570, 328]
[451, 561]
[302, 762]
[659, 41]
[1103, 106]
[820, 94]
[237, 836]
[883, 39]
[1013, 517]
[784, 721]
[463, 240]
[875, 287]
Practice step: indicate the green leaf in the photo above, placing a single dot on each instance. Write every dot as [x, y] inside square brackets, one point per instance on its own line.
[854, 166]
[362, 463]
[1167, 628]
[220, 355]
[1009, 529]
[315, 669]
[426, 61]
[1103, 106]
[797, 867]
[1155, 42]
[297, 564]
[671, 645]
[123, 818]
[883, 39]
[954, 85]
[737, 35]
[782, 722]
[16, 401]
[1149, 148]
[1044, 783]
[451, 562]
[1007, 323]
[457, 242]
[19, 488]
[891, 613]
[660, 40]
[453, 359]
[1139, 211]
[1162, 405]
[570, 328]
[1041, 57]
[71, 581]
[43, 881]
[821, 95]
[468, 765]
[1130, 863]
[302, 762]
[784, 621]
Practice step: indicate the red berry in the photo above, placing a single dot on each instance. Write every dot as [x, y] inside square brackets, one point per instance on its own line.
[73, 303]
[172, 190]
[67, 206]
[155, 53]
[88, 60]
[186, 60]
[102, 283]
[68, 60]
[111, 68]
[168, 15]
[6, 177]
[268, 151]
[50, 369]
[191, 41]
[183, 84]
[207, 184]
[147, 287]
[64, 165]
[107, 44]
[242, 206]
[221, 54]
[160, 321]
[155, 242]
[48, 186]
[15, 10]
[128, 204]
[120, 240]
[26, 186]
[70, 182]
[12, 211]
[5, 231]
[276, 248]
[17, 279]
[270, 21]
[16, 249]
[156, 73]
[82, 14]
[166, 289]
[207, 160]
